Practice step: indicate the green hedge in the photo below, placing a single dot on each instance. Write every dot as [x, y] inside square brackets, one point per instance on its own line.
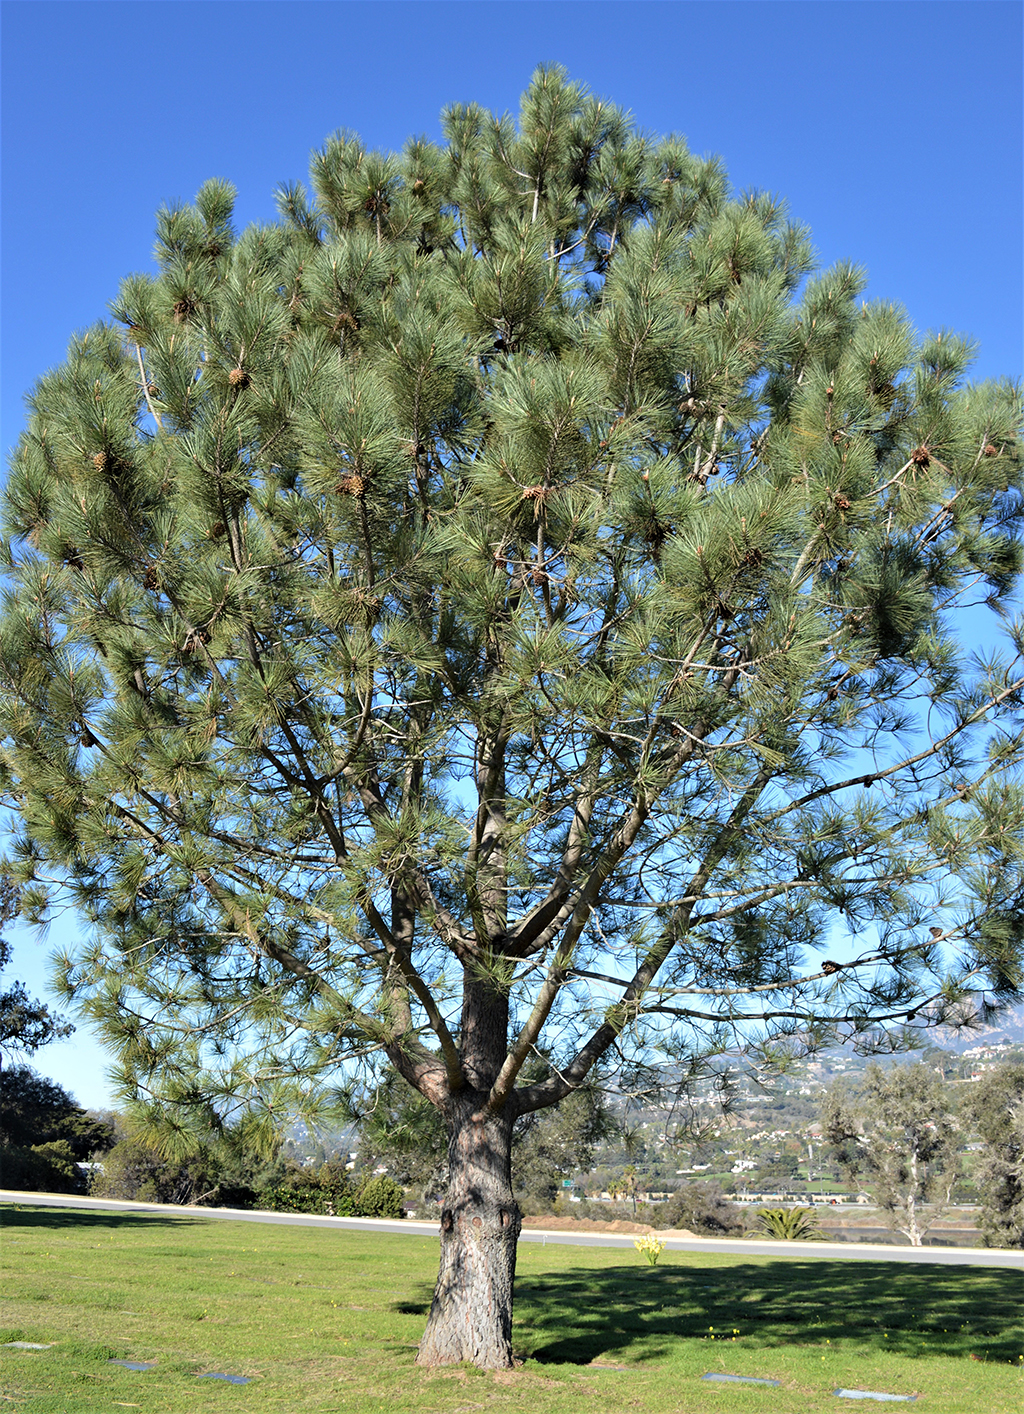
[379, 1197]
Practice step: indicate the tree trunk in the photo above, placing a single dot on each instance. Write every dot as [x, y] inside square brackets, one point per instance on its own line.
[471, 1314]
[914, 1229]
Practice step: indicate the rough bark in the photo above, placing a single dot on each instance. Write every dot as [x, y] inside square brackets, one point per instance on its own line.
[471, 1313]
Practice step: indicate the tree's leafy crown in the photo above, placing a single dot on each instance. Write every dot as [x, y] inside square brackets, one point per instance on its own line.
[511, 576]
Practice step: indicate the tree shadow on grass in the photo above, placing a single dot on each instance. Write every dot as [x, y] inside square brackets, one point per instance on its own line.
[416, 1307]
[573, 1316]
[82, 1219]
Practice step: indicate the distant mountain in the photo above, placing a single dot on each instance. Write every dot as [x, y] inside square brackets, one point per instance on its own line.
[1008, 1028]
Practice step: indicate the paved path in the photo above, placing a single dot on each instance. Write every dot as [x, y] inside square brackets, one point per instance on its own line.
[843, 1251]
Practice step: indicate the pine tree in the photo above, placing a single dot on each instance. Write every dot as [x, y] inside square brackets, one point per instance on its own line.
[26, 1023]
[507, 607]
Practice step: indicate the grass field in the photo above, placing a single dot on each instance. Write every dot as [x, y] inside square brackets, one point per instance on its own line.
[327, 1319]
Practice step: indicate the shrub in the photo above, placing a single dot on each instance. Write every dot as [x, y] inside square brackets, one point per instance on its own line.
[702, 1208]
[231, 1195]
[306, 1198]
[330, 1193]
[379, 1197]
[134, 1170]
[788, 1224]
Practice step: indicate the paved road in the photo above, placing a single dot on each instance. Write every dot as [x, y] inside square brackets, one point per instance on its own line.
[844, 1251]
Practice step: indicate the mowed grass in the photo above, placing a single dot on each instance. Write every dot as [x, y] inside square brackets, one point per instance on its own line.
[328, 1319]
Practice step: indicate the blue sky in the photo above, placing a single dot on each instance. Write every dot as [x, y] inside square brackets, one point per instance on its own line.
[892, 127]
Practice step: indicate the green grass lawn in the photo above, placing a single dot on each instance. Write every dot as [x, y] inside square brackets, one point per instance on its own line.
[327, 1319]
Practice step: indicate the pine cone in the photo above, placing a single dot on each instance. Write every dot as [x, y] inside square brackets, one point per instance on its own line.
[990, 451]
[829, 967]
[655, 534]
[921, 456]
[238, 378]
[149, 579]
[354, 485]
[538, 495]
[196, 639]
[217, 529]
[100, 461]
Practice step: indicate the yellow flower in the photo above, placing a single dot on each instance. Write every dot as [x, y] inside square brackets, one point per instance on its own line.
[651, 1247]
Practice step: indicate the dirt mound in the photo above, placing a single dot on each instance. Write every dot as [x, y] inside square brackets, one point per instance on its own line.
[553, 1224]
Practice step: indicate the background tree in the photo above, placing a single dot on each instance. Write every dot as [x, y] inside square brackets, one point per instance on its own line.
[631, 1184]
[553, 1144]
[996, 1110]
[503, 608]
[897, 1134]
[782, 1170]
[44, 1134]
[405, 1132]
[401, 1129]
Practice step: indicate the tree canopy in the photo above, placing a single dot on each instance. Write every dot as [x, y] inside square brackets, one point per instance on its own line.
[899, 1135]
[44, 1134]
[996, 1107]
[508, 607]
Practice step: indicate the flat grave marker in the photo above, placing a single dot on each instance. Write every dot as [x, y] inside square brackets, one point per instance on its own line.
[874, 1394]
[739, 1379]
